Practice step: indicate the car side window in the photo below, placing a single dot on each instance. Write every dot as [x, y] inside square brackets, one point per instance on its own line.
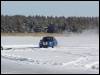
[54, 39]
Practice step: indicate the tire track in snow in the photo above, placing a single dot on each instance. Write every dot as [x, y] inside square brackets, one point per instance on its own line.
[80, 63]
[29, 60]
[76, 63]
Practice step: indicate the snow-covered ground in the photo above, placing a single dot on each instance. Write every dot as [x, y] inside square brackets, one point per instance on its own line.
[73, 55]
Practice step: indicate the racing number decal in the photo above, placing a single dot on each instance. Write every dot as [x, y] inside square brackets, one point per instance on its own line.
[45, 43]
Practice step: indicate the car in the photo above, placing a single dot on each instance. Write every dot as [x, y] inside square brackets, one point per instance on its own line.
[1, 48]
[48, 41]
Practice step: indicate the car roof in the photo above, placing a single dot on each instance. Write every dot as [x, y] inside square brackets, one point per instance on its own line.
[48, 36]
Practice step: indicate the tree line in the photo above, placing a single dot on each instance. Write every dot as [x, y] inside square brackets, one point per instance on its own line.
[49, 24]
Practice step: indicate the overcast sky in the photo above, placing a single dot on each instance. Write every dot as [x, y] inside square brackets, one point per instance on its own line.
[48, 8]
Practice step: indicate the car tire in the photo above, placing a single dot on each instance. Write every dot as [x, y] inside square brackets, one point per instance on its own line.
[40, 47]
[53, 45]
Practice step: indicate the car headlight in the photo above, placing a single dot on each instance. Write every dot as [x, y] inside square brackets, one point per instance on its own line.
[50, 42]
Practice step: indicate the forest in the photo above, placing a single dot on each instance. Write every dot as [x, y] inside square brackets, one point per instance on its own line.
[49, 24]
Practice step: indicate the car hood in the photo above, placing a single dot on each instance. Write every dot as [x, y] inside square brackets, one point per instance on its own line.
[46, 41]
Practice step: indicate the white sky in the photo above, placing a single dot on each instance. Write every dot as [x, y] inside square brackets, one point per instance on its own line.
[48, 8]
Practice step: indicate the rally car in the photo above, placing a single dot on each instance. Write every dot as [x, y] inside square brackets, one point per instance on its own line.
[1, 48]
[4, 48]
[48, 41]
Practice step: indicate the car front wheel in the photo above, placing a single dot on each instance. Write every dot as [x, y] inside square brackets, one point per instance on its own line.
[53, 45]
[40, 47]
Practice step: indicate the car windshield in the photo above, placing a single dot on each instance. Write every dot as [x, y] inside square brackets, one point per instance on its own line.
[47, 39]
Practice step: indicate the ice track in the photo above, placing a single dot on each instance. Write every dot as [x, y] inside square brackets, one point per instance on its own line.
[79, 55]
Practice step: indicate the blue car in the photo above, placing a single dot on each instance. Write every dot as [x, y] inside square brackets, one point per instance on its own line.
[48, 41]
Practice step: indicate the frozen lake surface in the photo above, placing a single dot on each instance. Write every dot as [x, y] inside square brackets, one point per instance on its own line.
[73, 55]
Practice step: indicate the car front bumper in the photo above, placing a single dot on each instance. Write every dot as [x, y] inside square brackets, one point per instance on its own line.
[47, 45]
